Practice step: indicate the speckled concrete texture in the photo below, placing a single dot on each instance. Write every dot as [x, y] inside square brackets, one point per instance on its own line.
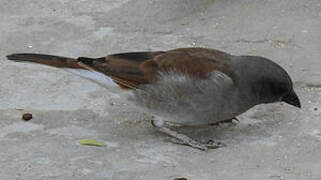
[271, 142]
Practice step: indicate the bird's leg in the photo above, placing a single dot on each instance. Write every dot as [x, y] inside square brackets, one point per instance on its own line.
[165, 123]
[173, 125]
[225, 121]
[179, 138]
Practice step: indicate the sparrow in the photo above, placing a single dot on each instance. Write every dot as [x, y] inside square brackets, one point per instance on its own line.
[184, 86]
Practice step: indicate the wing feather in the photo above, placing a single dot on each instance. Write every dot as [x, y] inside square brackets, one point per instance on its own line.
[130, 70]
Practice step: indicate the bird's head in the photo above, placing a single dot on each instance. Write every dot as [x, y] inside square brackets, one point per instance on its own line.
[266, 80]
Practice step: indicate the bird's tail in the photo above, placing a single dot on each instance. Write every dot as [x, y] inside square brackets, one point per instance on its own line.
[76, 66]
[55, 61]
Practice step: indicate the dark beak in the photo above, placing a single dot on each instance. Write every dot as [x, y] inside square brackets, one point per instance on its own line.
[292, 99]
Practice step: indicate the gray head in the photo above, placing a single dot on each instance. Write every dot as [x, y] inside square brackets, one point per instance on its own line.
[264, 80]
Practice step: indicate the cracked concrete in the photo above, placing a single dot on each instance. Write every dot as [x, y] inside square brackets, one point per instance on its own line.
[271, 142]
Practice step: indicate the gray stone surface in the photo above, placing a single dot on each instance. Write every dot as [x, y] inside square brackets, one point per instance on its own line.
[271, 142]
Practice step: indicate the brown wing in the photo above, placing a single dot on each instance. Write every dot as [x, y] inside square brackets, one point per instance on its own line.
[130, 70]
[197, 62]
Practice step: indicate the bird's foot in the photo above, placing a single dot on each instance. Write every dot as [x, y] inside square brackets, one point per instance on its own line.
[182, 139]
[210, 144]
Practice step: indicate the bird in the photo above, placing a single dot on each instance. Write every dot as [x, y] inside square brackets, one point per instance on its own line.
[191, 86]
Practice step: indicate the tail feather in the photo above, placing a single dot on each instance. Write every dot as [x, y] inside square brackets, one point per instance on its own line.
[80, 66]
[55, 61]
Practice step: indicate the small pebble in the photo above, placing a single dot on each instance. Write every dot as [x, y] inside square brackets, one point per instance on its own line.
[27, 116]
[315, 109]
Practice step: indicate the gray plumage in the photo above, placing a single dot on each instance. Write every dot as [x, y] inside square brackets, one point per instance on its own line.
[188, 100]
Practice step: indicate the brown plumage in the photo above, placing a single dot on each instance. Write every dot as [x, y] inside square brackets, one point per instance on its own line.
[55, 61]
[129, 70]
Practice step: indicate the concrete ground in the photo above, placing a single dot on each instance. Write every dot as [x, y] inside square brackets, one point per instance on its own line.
[271, 142]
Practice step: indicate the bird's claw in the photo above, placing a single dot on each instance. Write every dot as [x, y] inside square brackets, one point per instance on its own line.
[209, 144]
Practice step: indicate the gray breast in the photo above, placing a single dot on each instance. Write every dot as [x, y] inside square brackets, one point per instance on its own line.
[182, 99]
